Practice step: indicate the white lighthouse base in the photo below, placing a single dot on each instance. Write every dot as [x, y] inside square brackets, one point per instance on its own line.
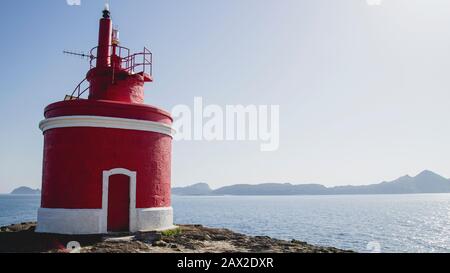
[94, 221]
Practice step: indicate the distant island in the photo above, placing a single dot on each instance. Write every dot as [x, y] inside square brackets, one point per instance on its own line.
[26, 191]
[425, 182]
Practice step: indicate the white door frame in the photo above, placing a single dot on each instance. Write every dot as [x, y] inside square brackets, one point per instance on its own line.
[105, 192]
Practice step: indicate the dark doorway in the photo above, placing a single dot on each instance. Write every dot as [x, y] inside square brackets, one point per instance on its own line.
[119, 203]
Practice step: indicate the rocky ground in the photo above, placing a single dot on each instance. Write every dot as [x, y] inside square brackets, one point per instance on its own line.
[185, 239]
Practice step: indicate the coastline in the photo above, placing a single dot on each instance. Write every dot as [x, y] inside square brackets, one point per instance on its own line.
[21, 238]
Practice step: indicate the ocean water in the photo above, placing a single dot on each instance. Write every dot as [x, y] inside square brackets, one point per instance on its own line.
[364, 223]
[18, 208]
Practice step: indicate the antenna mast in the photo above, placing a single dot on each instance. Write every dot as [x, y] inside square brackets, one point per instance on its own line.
[79, 54]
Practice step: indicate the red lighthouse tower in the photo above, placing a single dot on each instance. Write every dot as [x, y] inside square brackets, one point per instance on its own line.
[107, 158]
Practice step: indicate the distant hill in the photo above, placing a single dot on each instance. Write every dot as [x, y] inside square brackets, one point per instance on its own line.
[425, 182]
[272, 189]
[197, 189]
[26, 190]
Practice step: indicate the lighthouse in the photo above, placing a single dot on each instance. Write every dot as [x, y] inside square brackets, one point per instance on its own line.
[107, 155]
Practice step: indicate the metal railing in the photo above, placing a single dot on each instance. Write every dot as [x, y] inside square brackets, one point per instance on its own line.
[80, 89]
[129, 61]
[143, 59]
[141, 62]
[120, 51]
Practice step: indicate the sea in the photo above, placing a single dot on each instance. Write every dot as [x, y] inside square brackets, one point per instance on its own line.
[363, 223]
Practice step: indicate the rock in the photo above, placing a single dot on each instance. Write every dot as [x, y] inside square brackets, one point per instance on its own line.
[160, 244]
[200, 237]
[192, 239]
[220, 237]
[298, 242]
[148, 237]
[119, 239]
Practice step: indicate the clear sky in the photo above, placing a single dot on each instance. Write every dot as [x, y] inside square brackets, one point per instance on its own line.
[363, 90]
